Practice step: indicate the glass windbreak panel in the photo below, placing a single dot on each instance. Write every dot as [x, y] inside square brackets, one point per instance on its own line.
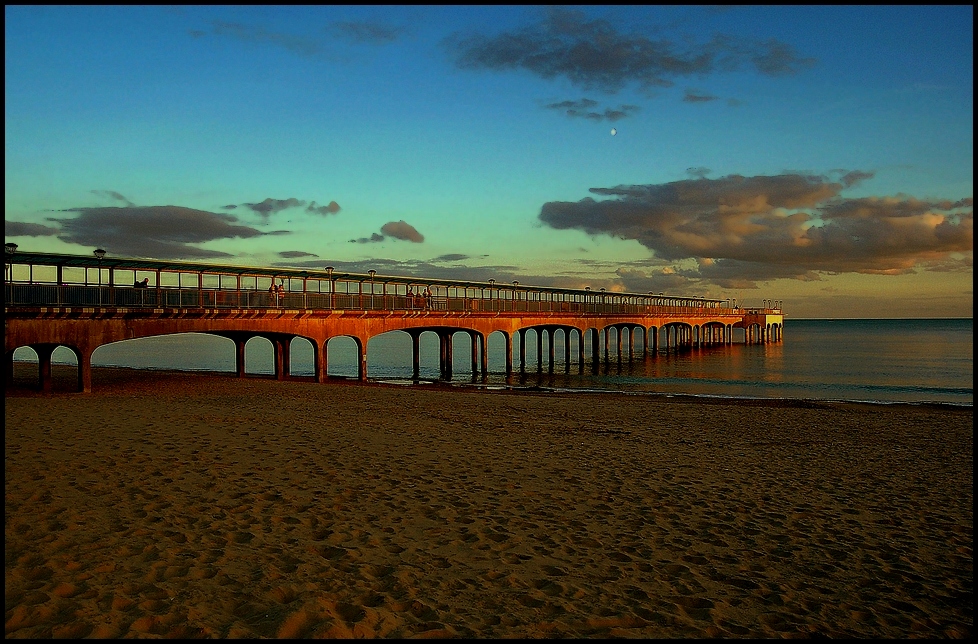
[48, 274]
[169, 279]
[73, 275]
[139, 276]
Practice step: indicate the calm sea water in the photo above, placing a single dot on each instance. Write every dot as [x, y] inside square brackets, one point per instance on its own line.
[882, 361]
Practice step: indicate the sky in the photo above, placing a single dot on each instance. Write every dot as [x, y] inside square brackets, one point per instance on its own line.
[821, 156]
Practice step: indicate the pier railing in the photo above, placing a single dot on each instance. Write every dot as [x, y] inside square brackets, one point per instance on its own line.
[166, 297]
[56, 280]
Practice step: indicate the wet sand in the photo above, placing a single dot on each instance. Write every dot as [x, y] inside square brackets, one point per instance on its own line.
[191, 505]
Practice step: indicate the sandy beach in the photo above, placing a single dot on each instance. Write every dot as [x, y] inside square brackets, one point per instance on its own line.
[193, 505]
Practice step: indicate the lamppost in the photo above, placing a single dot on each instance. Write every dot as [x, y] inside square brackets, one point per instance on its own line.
[329, 276]
[492, 296]
[372, 273]
[99, 254]
[8, 253]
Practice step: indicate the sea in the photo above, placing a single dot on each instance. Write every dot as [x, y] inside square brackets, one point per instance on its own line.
[889, 361]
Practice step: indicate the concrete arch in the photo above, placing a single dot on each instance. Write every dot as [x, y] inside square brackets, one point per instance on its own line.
[507, 350]
[359, 350]
[652, 339]
[712, 333]
[678, 336]
[44, 352]
[257, 344]
[446, 350]
[281, 345]
[625, 332]
[85, 329]
[545, 336]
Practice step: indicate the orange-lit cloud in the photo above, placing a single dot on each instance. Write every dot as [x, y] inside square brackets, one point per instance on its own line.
[395, 229]
[742, 230]
[402, 230]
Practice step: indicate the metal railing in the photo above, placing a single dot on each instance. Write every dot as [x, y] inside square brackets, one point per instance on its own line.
[68, 295]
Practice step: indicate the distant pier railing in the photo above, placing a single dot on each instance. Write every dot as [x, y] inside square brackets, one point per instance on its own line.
[55, 280]
[185, 298]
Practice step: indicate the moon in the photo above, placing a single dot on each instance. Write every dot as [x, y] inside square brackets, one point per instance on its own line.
[614, 131]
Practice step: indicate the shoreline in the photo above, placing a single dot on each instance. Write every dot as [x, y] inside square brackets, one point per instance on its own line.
[184, 505]
[65, 381]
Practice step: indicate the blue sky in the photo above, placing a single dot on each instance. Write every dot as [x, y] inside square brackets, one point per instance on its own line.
[821, 155]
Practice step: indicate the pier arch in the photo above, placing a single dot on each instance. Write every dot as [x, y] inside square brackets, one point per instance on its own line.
[50, 299]
[41, 356]
[343, 356]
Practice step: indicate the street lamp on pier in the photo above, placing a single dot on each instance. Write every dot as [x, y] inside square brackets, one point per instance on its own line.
[8, 254]
[372, 273]
[99, 254]
[329, 276]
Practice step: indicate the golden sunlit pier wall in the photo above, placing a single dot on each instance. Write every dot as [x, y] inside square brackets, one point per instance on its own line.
[53, 300]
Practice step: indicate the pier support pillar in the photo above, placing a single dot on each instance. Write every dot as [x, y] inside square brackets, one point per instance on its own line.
[321, 372]
[484, 345]
[84, 384]
[539, 333]
[445, 354]
[44, 352]
[522, 333]
[550, 349]
[280, 349]
[415, 355]
[239, 356]
[362, 366]
[580, 351]
[474, 339]
[595, 350]
[567, 353]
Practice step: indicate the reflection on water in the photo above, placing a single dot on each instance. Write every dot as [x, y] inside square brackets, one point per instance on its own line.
[873, 360]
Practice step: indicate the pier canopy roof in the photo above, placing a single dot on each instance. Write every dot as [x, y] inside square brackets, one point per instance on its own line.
[112, 262]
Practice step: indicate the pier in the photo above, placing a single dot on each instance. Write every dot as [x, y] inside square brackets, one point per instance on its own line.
[84, 302]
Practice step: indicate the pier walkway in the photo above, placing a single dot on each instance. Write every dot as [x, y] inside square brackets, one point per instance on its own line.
[82, 303]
